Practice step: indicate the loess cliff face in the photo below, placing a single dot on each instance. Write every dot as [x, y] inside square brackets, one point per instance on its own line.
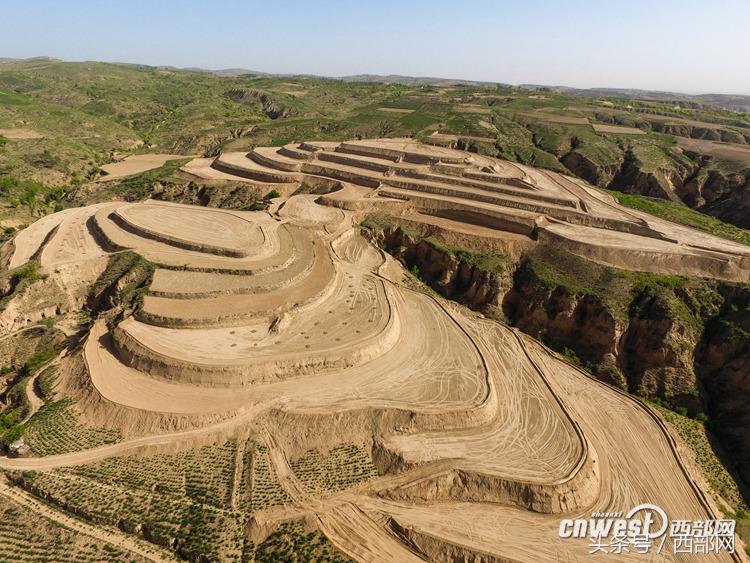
[564, 321]
[683, 341]
[584, 167]
[632, 178]
[453, 276]
[640, 346]
[726, 197]
[723, 362]
[694, 180]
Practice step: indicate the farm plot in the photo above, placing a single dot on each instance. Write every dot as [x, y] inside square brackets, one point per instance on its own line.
[343, 466]
[26, 536]
[342, 401]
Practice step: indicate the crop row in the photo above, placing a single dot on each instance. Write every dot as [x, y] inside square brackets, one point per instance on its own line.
[55, 429]
[342, 467]
[28, 537]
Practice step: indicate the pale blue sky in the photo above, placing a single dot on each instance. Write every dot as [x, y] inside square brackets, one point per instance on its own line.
[683, 45]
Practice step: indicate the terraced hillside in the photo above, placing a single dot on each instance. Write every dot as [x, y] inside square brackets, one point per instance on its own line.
[406, 177]
[273, 383]
[65, 124]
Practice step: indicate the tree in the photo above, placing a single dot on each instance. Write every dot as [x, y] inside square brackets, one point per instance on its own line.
[29, 196]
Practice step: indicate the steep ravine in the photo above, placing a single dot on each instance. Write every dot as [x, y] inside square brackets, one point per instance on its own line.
[683, 341]
[702, 185]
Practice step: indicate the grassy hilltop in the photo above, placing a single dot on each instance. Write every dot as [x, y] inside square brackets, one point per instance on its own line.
[60, 121]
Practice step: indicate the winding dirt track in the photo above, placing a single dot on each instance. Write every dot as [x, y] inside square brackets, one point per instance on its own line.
[486, 439]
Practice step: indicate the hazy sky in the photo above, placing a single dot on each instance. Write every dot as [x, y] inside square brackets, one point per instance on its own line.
[683, 45]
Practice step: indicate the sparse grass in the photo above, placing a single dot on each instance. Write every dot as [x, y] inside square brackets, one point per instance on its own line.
[623, 291]
[290, 543]
[19, 279]
[129, 266]
[142, 185]
[489, 262]
[265, 489]
[31, 349]
[678, 213]
[46, 381]
[41, 357]
[343, 466]
[26, 536]
[697, 437]
[377, 221]
[55, 429]
[181, 500]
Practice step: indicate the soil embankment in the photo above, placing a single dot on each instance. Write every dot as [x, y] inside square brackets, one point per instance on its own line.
[682, 341]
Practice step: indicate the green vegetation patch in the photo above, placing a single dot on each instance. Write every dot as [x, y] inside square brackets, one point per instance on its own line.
[377, 221]
[265, 489]
[490, 262]
[196, 530]
[343, 466]
[55, 429]
[624, 292]
[44, 355]
[290, 543]
[678, 213]
[137, 273]
[17, 281]
[36, 197]
[27, 536]
[196, 502]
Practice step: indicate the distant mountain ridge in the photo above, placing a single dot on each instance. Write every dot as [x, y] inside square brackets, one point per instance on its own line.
[732, 102]
[414, 80]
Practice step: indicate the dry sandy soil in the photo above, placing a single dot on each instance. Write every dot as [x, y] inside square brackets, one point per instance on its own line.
[725, 151]
[617, 129]
[289, 325]
[136, 164]
[20, 134]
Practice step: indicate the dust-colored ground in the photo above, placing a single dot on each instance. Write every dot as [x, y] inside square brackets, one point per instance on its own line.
[201, 167]
[136, 164]
[617, 129]
[437, 180]
[724, 151]
[289, 326]
[20, 134]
